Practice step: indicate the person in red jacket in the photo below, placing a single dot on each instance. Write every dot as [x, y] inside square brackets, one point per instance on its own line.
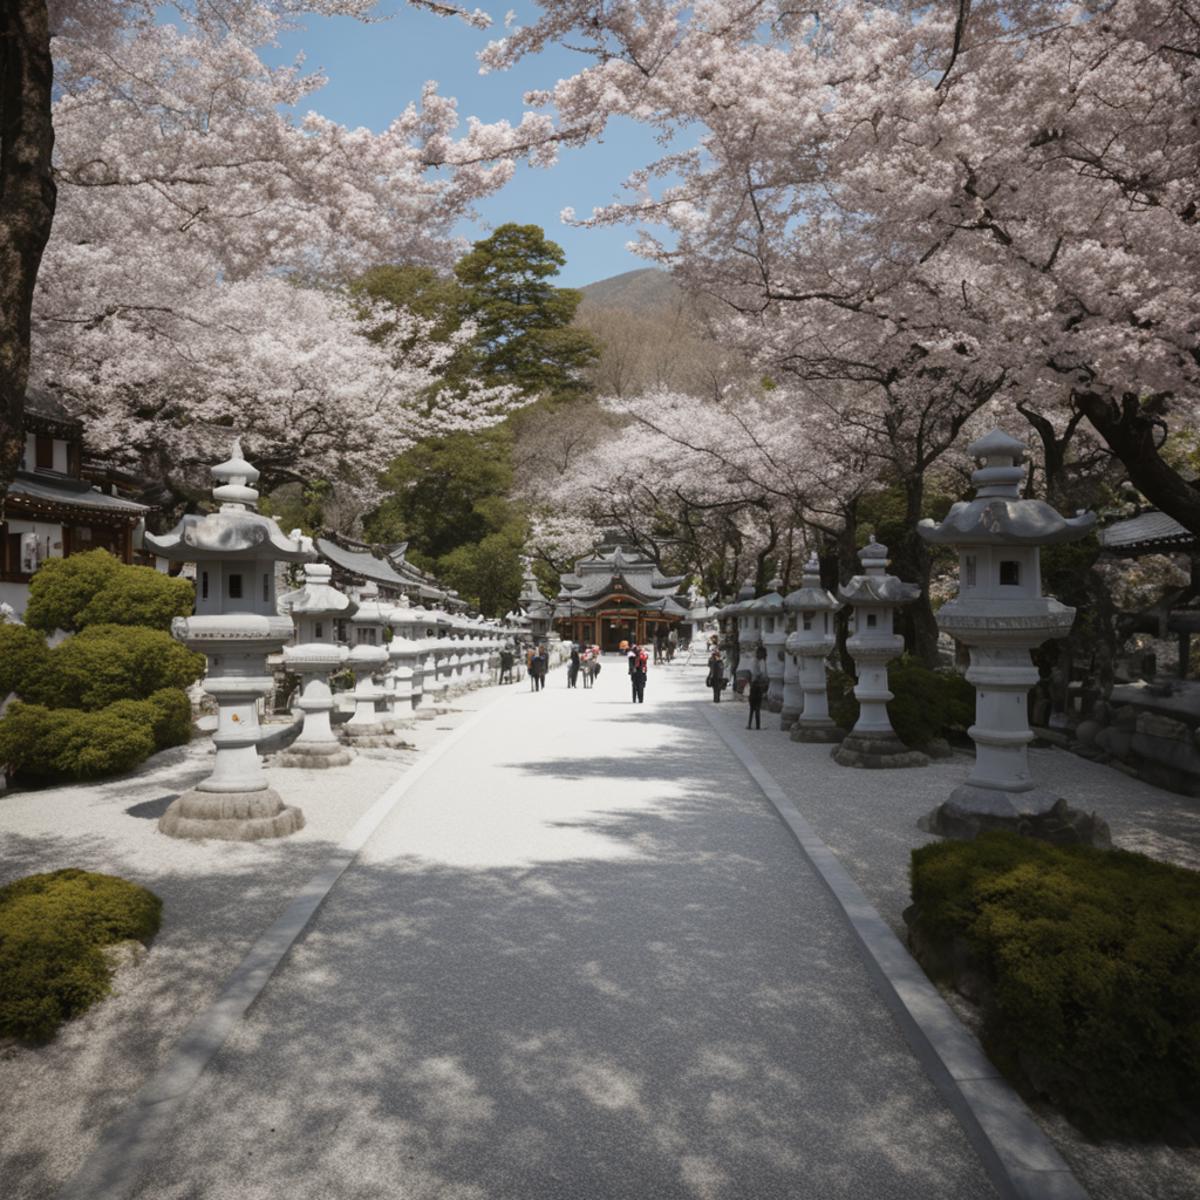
[638, 663]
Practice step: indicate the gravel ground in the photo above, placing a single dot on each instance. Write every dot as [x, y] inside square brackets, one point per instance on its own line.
[579, 961]
[868, 818]
[217, 898]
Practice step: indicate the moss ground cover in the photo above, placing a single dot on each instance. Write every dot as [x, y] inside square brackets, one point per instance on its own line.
[1087, 965]
[53, 929]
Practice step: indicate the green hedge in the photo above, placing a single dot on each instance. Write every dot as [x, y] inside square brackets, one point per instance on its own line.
[107, 663]
[1090, 961]
[48, 744]
[98, 589]
[927, 705]
[52, 930]
[23, 655]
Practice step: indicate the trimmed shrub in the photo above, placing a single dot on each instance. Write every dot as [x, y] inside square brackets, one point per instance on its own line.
[52, 930]
[97, 589]
[107, 663]
[23, 655]
[167, 714]
[1087, 964]
[64, 743]
[927, 704]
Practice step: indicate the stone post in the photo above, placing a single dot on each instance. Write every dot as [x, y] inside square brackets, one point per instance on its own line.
[773, 620]
[315, 608]
[875, 596]
[810, 645]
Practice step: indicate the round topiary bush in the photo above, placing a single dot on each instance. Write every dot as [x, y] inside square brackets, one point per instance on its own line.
[52, 930]
[1087, 966]
[107, 663]
[48, 744]
[927, 704]
[97, 589]
[23, 655]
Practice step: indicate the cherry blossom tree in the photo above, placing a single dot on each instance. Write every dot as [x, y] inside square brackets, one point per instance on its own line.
[193, 280]
[1004, 192]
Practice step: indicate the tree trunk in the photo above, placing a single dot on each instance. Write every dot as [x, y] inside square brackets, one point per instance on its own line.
[1129, 426]
[27, 196]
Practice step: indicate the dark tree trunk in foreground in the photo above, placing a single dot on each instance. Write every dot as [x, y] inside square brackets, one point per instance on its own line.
[26, 201]
[1133, 428]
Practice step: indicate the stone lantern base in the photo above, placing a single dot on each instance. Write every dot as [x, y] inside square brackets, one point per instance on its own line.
[815, 731]
[877, 750]
[230, 816]
[1036, 813]
[316, 756]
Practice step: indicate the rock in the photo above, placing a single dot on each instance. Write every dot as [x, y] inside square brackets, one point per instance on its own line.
[1116, 741]
[1086, 731]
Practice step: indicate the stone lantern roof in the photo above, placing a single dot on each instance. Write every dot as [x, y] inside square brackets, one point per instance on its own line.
[876, 586]
[770, 602]
[236, 530]
[998, 516]
[318, 597]
[811, 596]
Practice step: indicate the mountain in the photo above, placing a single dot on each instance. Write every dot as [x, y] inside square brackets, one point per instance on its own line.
[644, 290]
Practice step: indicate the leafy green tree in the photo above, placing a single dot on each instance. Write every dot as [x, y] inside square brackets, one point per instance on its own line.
[488, 573]
[421, 290]
[526, 336]
[23, 655]
[445, 493]
[98, 589]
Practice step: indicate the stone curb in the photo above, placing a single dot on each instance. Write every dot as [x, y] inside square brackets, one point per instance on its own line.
[130, 1139]
[1019, 1158]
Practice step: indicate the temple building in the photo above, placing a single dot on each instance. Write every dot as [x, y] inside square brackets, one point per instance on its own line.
[615, 594]
[51, 510]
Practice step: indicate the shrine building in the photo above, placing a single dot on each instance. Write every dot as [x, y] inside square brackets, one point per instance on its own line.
[616, 594]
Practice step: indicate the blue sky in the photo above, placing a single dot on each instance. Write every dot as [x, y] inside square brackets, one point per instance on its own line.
[375, 70]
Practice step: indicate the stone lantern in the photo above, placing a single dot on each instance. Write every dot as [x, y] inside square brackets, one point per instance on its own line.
[773, 624]
[873, 643]
[746, 635]
[315, 610]
[1001, 615]
[236, 625]
[368, 658]
[811, 644]
[408, 626]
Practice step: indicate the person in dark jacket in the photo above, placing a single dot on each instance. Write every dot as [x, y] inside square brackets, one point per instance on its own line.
[637, 674]
[716, 675]
[537, 670]
[573, 669]
[755, 694]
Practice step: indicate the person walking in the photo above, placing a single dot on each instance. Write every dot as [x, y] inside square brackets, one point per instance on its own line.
[637, 674]
[507, 661]
[716, 675]
[754, 694]
[573, 669]
[672, 644]
[537, 670]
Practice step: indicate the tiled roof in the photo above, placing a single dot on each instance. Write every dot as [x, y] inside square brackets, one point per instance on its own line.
[364, 563]
[74, 493]
[1147, 528]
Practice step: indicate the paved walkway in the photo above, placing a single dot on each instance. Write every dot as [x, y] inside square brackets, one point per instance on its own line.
[583, 960]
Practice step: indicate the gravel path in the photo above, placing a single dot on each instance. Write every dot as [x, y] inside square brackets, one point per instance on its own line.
[581, 959]
[217, 896]
[869, 820]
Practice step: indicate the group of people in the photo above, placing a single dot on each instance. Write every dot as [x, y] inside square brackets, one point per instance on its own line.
[585, 662]
[665, 645]
[756, 689]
